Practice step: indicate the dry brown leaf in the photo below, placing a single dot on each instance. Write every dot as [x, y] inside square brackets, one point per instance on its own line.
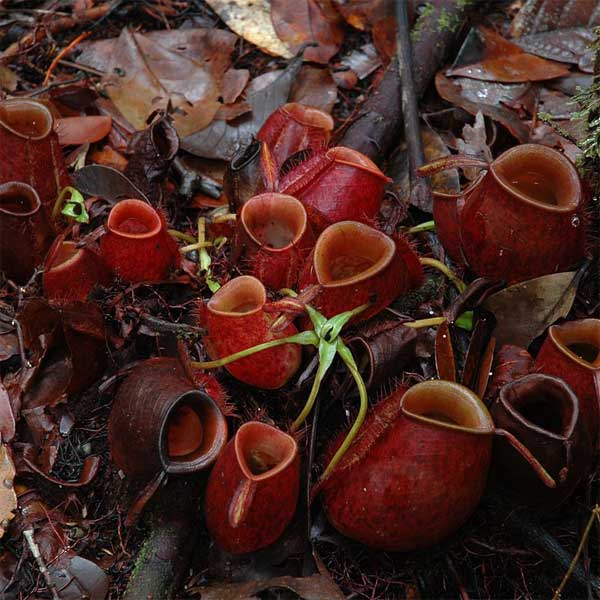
[315, 587]
[524, 310]
[503, 61]
[8, 79]
[251, 19]
[8, 498]
[308, 21]
[487, 97]
[363, 14]
[315, 87]
[144, 76]
[474, 142]
[234, 82]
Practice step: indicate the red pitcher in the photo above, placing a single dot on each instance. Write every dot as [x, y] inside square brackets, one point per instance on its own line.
[273, 239]
[294, 127]
[522, 218]
[29, 149]
[355, 264]
[137, 246]
[542, 412]
[417, 469]
[253, 489]
[338, 184]
[71, 272]
[571, 351]
[25, 231]
[236, 319]
[161, 420]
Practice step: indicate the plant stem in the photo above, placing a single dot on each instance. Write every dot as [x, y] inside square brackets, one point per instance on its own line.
[288, 292]
[304, 338]
[584, 537]
[451, 275]
[223, 218]
[349, 361]
[181, 236]
[195, 246]
[426, 226]
[314, 391]
[58, 203]
[425, 322]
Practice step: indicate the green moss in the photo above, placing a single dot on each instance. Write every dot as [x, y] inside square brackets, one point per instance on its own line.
[447, 21]
[426, 12]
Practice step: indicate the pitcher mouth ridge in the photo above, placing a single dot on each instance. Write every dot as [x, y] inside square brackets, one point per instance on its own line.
[269, 197]
[567, 431]
[483, 423]
[44, 111]
[561, 163]
[360, 228]
[562, 345]
[258, 293]
[289, 456]
[122, 206]
[27, 191]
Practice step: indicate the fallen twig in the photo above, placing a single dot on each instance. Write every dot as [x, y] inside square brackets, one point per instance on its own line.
[35, 551]
[420, 189]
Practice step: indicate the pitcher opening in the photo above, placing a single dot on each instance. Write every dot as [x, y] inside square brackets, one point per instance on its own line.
[349, 252]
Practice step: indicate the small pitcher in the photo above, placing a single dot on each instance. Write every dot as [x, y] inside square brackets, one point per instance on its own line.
[571, 351]
[294, 127]
[417, 469]
[273, 239]
[542, 412]
[136, 245]
[253, 489]
[29, 149]
[355, 264]
[71, 273]
[520, 219]
[236, 319]
[339, 184]
[25, 231]
[161, 420]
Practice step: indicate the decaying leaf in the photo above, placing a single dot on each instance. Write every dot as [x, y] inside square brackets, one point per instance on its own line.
[308, 22]
[487, 97]
[315, 587]
[222, 140]
[76, 577]
[8, 498]
[561, 45]
[545, 15]
[7, 417]
[524, 310]
[363, 61]
[433, 148]
[363, 14]
[315, 87]
[474, 143]
[106, 182]
[251, 19]
[500, 60]
[8, 79]
[144, 76]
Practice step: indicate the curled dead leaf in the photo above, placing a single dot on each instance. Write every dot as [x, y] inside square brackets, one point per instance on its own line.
[523, 311]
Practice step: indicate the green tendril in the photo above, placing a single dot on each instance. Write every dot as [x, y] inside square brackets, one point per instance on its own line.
[326, 338]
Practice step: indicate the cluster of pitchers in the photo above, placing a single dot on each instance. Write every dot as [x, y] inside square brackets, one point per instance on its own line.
[307, 220]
